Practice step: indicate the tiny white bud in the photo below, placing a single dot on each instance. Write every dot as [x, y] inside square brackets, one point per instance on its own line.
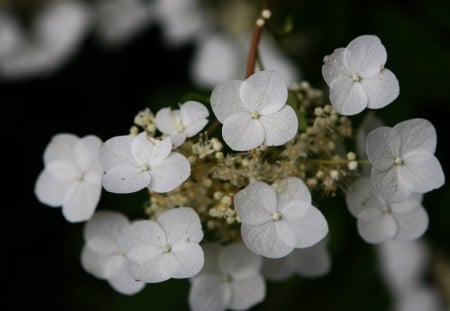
[260, 22]
[266, 14]
[353, 165]
[351, 156]
[334, 174]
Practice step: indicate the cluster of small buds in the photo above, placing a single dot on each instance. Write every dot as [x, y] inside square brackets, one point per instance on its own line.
[145, 120]
[205, 147]
[305, 94]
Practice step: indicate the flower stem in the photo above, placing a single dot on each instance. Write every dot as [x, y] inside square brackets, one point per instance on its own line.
[337, 161]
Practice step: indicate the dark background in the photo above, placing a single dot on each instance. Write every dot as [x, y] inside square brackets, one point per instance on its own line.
[99, 91]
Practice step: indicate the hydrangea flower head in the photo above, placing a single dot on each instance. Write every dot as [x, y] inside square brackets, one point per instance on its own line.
[133, 163]
[277, 219]
[357, 77]
[181, 123]
[230, 279]
[379, 221]
[167, 248]
[254, 111]
[72, 176]
[403, 160]
[101, 255]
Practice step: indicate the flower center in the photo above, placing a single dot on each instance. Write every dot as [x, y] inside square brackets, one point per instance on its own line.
[179, 125]
[386, 209]
[356, 78]
[398, 161]
[276, 216]
[227, 278]
[145, 167]
[166, 249]
[80, 176]
[255, 115]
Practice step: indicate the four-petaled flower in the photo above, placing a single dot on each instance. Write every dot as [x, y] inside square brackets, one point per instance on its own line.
[379, 221]
[230, 279]
[133, 163]
[101, 255]
[254, 111]
[277, 219]
[357, 77]
[167, 248]
[403, 160]
[181, 123]
[72, 176]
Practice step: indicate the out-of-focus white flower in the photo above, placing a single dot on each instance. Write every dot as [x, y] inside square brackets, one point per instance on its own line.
[230, 279]
[277, 219]
[167, 248]
[72, 176]
[181, 123]
[118, 21]
[357, 77]
[133, 163]
[101, 255]
[56, 34]
[403, 160]
[307, 262]
[368, 124]
[254, 111]
[11, 35]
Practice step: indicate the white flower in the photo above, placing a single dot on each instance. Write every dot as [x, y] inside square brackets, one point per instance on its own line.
[167, 248]
[254, 111]
[101, 255]
[277, 219]
[403, 160]
[133, 163]
[72, 176]
[308, 262]
[230, 279]
[181, 123]
[368, 124]
[379, 221]
[357, 77]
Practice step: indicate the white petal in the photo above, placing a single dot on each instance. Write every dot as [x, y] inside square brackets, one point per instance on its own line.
[421, 172]
[388, 185]
[194, 116]
[368, 124]
[264, 92]
[164, 121]
[383, 146]
[236, 260]
[311, 228]
[102, 266]
[141, 234]
[226, 100]
[181, 225]
[170, 173]
[333, 67]
[60, 147]
[117, 151]
[124, 283]
[312, 261]
[277, 270]
[149, 271]
[209, 293]
[280, 127]
[365, 55]
[256, 203]
[291, 190]
[105, 224]
[382, 89]
[376, 227]
[348, 97]
[247, 292]
[151, 151]
[126, 179]
[52, 191]
[264, 240]
[414, 202]
[184, 261]
[417, 134]
[87, 153]
[361, 196]
[243, 133]
[63, 170]
[412, 225]
[82, 203]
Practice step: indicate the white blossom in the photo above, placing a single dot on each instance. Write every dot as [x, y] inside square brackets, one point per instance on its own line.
[254, 111]
[309, 262]
[133, 163]
[277, 219]
[72, 176]
[403, 160]
[167, 248]
[181, 123]
[230, 279]
[379, 221]
[101, 255]
[357, 77]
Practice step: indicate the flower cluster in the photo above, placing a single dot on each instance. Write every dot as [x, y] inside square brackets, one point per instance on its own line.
[229, 210]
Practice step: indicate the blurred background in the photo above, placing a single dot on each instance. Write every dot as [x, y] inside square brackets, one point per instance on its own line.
[87, 67]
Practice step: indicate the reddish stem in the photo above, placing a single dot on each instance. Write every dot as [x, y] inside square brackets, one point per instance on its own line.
[252, 54]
